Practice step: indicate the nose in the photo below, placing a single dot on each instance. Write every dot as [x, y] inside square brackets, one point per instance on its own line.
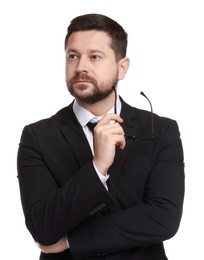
[83, 65]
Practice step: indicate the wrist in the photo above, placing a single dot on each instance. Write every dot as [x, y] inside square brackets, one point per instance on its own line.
[102, 169]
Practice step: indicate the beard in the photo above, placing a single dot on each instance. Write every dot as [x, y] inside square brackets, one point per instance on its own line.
[96, 93]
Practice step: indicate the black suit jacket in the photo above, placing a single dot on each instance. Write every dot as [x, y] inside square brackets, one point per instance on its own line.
[62, 194]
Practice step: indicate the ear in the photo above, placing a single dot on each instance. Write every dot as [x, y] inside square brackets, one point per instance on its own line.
[123, 66]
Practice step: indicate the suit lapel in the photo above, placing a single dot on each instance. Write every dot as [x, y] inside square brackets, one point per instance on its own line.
[75, 137]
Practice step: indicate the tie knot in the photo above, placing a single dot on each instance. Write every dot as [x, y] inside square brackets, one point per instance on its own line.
[91, 126]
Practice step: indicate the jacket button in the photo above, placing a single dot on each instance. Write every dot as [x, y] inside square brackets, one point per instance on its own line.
[91, 212]
[99, 207]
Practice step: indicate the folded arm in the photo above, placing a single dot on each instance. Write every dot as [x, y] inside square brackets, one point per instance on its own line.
[52, 209]
[151, 221]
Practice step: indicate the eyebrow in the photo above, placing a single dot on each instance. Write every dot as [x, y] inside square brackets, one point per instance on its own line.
[91, 51]
[71, 50]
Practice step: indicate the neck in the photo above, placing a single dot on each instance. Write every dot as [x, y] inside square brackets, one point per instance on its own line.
[101, 107]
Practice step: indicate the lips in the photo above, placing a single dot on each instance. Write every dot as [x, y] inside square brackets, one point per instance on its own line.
[81, 81]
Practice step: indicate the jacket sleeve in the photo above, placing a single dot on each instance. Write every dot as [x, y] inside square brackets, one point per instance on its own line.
[152, 221]
[51, 210]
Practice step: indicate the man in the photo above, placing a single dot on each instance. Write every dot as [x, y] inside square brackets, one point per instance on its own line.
[111, 192]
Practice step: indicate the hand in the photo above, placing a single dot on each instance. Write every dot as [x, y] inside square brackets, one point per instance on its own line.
[58, 247]
[107, 136]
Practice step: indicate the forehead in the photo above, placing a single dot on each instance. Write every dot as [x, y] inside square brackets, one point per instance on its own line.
[89, 40]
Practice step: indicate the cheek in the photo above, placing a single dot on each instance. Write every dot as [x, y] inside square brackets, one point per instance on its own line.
[69, 71]
[110, 71]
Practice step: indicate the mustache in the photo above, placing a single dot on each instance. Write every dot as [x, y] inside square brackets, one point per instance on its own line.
[82, 76]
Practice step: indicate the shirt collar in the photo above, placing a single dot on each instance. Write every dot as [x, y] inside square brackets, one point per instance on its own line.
[84, 116]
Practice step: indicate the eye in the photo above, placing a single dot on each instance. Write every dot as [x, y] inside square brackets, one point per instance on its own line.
[95, 57]
[71, 56]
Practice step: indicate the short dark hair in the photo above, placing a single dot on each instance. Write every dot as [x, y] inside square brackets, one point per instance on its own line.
[103, 23]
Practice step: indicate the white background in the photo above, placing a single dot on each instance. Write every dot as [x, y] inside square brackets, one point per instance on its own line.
[166, 48]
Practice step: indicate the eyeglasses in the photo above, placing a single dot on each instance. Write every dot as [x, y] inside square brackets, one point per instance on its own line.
[133, 137]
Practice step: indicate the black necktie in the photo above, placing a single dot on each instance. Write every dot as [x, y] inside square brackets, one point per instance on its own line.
[91, 126]
[109, 184]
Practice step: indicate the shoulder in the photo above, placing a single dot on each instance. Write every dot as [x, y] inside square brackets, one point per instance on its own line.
[147, 119]
[51, 125]
[55, 120]
[143, 115]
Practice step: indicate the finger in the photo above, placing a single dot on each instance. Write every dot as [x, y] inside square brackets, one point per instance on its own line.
[111, 127]
[121, 142]
[108, 118]
[117, 139]
[109, 131]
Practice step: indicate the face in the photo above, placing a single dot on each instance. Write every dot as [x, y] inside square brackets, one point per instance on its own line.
[91, 66]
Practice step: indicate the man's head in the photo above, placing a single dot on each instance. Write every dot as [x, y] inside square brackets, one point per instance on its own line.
[102, 23]
[96, 60]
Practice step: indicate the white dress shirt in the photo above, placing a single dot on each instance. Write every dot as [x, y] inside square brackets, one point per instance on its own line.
[84, 116]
